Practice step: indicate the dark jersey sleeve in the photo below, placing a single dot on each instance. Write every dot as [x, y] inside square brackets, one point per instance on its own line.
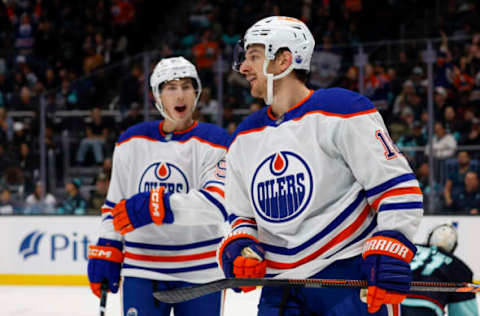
[432, 264]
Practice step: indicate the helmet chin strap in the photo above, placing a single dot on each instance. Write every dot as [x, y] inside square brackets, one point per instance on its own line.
[162, 111]
[271, 78]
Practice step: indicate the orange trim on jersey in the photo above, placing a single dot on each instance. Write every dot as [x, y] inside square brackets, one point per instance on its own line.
[337, 114]
[396, 192]
[273, 118]
[248, 132]
[136, 136]
[203, 141]
[175, 258]
[229, 239]
[241, 221]
[188, 129]
[216, 190]
[270, 114]
[347, 232]
[106, 210]
[182, 141]
[308, 113]
[426, 298]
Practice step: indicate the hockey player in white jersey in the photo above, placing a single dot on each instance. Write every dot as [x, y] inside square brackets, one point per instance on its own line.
[164, 170]
[315, 188]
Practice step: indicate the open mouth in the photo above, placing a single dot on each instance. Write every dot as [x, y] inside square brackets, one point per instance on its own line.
[181, 108]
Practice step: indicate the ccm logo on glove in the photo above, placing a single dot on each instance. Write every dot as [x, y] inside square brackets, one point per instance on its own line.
[381, 245]
[156, 205]
[106, 253]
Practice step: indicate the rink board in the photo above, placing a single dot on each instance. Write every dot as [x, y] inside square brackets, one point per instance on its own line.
[52, 250]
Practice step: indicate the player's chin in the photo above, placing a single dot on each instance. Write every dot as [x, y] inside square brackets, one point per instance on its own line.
[256, 92]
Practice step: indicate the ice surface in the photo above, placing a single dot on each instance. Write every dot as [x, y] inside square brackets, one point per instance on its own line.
[78, 301]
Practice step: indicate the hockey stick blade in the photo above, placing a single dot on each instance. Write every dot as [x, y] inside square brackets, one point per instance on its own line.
[187, 293]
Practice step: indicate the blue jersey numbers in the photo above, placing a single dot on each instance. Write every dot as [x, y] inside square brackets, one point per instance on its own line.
[391, 151]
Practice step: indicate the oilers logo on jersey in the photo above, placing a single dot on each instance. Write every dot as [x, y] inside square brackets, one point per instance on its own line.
[282, 187]
[163, 174]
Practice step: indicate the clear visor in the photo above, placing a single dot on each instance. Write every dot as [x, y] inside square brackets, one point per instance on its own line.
[238, 55]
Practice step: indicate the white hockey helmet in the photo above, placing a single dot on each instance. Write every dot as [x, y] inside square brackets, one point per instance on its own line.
[444, 237]
[169, 69]
[277, 32]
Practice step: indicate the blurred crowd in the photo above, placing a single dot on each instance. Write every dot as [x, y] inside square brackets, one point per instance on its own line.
[86, 57]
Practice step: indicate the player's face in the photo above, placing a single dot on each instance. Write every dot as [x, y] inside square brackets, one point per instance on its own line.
[178, 99]
[252, 69]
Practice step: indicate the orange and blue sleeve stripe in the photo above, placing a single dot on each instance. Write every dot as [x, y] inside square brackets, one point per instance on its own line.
[215, 202]
[107, 210]
[322, 242]
[237, 223]
[379, 196]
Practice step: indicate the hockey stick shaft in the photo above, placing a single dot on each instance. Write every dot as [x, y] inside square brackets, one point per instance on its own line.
[188, 293]
[103, 298]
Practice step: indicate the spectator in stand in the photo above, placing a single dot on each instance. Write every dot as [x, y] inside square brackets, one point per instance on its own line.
[350, 79]
[468, 200]
[440, 100]
[473, 135]
[133, 117]
[444, 65]
[74, 204]
[462, 81]
[417, 105]
[6, 127]
[97, 199]
[67, 97]
[45, 39]
[207, 105]
[24, 35]
[23, 101]
[452, 125]
[403, 99]
[422, 172]
[95, 136]
[6, 159]
[444, 145]
[456, 176]
[107, 167]
[414, 138]
[7, 207]
[50, 81]
[230, 38]
[20, 135]
[205, 54]
[404, 65]
[131, 88]
[123, 13]
[28, 164]
[40, 202]
[93, 59]
[418, 80]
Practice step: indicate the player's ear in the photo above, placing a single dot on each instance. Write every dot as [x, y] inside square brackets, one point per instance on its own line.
[284, 60]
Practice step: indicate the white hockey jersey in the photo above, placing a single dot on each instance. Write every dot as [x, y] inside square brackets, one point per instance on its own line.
[188, 164]
[313, 185]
